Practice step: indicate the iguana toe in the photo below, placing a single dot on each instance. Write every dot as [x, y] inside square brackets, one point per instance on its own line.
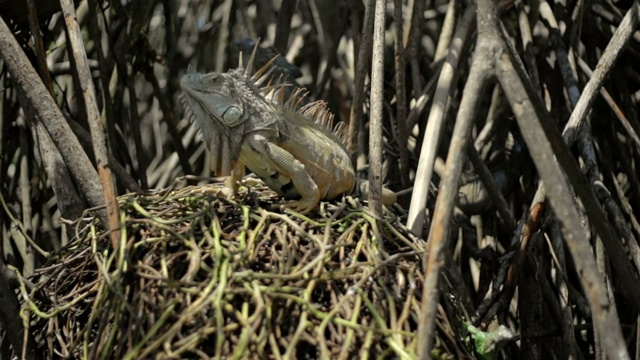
[226, 192]
[300, 206]
[252, 182]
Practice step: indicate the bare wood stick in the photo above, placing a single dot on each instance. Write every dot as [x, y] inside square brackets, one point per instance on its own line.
[96, 124]
[355, 116]
[613, 50]
[375, 130]
[543, 150]
[412, 44]
[446, 33]
[442, 217]
[431, 142]
[223, 35]
[401, 97]
[283, 28]
[38, 104]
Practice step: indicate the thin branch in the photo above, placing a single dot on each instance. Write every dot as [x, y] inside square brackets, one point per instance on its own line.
[96, 24]
[355, 117]
[375, 125]
[436, 119]
[613, 50]
[38, 104]
[412, 44]
[401, 97]
[477, 82]
[283, 27]
[494, 192]
[446, 32]
[96, 124]
[223, 34]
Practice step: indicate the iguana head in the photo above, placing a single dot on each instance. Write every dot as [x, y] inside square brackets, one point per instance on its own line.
[215, 105]
[213, 96]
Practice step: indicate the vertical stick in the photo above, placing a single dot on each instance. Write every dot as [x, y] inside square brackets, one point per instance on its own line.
[401, 109]
[96, 124]
[377, 100]
[355, 116]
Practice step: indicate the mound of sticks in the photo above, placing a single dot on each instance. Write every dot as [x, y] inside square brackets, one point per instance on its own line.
[197, 275]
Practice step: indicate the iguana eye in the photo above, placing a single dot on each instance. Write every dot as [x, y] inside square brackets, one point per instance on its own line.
[211, 78]
[232, 116]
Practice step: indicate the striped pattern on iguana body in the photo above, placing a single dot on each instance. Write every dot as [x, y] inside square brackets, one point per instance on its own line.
[291, 148]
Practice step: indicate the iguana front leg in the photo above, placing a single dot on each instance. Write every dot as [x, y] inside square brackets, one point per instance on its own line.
[280, 171]
[232, 181]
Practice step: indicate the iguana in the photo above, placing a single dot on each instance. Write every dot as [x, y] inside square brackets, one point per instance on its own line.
[291, 148]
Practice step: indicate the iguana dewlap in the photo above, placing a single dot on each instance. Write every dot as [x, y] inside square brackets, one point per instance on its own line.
[290, 149]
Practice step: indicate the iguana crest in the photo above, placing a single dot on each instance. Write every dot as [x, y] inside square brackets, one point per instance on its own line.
[316, 112]
[290, 101]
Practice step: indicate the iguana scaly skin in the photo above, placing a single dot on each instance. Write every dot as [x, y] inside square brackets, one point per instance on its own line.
[290, 148]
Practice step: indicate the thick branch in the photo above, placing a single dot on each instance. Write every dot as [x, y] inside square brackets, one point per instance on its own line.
[415, 219]
[559, 193]
[39, 106]
[93, 117]
[439, 233]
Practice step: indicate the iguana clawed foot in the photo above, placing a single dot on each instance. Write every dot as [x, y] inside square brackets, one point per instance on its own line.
[301, 206]
[226, 193]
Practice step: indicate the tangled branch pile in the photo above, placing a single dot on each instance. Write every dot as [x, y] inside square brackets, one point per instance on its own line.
[201, 276]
